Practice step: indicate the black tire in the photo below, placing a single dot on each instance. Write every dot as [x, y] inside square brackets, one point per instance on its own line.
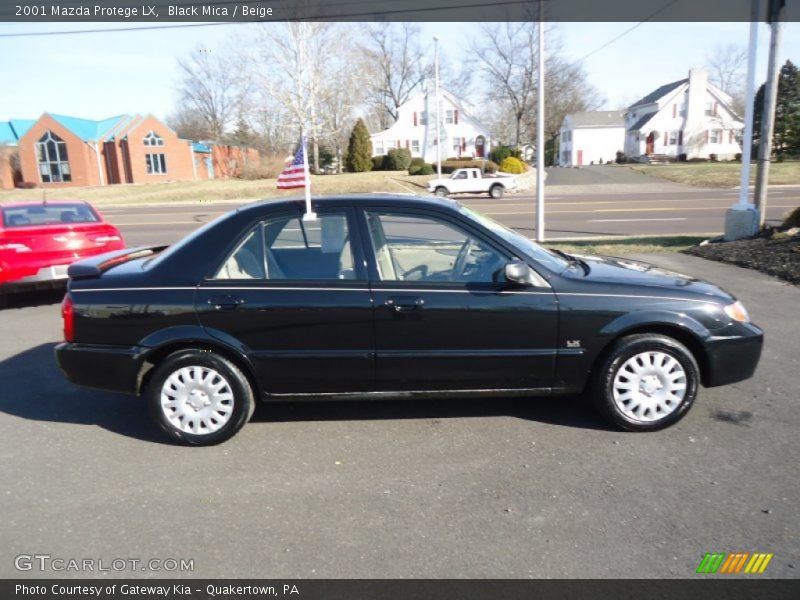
[440, 191]
[625, 349]
[243, 403]
[496, 191]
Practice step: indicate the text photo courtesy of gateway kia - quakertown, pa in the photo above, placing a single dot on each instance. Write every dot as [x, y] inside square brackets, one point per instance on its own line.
[334, 300]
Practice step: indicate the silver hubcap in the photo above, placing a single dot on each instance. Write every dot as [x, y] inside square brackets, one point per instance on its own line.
[649, 386]
[197, 400]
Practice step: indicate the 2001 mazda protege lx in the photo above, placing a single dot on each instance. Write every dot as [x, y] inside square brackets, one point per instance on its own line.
[390, 297]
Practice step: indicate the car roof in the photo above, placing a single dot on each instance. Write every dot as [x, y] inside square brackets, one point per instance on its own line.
[42, 203]
[400, 200]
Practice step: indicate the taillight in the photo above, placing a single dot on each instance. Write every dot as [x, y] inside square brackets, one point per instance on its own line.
[68, 315]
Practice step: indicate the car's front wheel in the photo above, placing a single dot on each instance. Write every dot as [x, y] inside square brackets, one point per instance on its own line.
[440, 191]
[199, 397]
[496, 191]
[646, 382]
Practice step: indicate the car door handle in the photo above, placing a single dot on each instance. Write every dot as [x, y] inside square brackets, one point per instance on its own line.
[226, 302]
[405, 303]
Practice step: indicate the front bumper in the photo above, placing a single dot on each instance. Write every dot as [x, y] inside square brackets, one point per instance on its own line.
[112, 368]
[733, 358]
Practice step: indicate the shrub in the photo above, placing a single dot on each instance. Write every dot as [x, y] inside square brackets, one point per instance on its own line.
[712, 157]
[267, 168]
[359, 149]
[426, 169]
[621, 158]
[378, 162]
[414, 169]
[512, 165]
[397, 159]
[500, 153]
[417, 161]
[793, 220]
[449, 166]
[682, 157]
[737, 157]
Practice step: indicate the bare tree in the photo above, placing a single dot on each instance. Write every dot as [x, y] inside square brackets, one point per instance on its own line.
[289, 62]
[726, 69]
[212, 87]
[189, 124]
[506, 56]
[398, 65]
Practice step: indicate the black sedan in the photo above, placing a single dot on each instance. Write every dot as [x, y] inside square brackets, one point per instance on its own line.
[390, 297]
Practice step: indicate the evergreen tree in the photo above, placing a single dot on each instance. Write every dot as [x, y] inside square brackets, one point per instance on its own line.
[786, 137]
[359, 149]
[242, 135]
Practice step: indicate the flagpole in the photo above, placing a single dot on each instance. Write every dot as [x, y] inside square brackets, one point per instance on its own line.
[310, 214]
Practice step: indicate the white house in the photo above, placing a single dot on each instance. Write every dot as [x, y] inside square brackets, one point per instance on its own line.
[591, 137]
[461, 134]
[690, 116]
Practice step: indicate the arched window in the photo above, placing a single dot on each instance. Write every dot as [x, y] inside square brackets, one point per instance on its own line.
[153, 139]
[51, 154]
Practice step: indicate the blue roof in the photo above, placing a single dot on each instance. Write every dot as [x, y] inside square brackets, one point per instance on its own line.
[87, 129]
[200, 147]
[7, 135]
[11, 131]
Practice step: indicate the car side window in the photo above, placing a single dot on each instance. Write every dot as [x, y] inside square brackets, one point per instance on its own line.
[247, 259]
[429, 249]
[288, 248]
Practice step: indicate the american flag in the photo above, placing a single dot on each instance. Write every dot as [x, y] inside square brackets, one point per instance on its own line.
[294, 175]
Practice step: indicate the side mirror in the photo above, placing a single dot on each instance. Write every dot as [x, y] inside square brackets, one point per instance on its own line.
[518, 272]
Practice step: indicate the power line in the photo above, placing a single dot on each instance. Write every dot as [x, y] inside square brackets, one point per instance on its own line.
[331, 17]
[627, 31]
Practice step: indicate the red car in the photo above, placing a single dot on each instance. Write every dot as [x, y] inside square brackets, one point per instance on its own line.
[39, 240]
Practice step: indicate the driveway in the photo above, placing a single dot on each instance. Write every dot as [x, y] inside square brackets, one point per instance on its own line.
[511, 488]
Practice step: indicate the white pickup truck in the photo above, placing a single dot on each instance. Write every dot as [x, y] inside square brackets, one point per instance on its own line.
[472, 181]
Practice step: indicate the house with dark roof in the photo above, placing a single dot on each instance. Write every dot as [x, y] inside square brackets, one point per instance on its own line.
[60, 150]
[462, 135]
[591, 137]
[690, 116]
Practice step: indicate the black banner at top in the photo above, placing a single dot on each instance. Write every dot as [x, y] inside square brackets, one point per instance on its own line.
[231, 11]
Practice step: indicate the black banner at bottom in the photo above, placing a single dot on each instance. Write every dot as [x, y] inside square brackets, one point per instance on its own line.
[729, 588]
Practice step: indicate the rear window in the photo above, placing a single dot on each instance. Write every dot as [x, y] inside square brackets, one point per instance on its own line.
[48, 214]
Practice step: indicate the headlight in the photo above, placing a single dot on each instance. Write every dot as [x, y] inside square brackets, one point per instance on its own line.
[737, 312]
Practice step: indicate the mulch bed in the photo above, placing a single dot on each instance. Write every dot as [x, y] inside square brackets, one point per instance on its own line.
[771, 252]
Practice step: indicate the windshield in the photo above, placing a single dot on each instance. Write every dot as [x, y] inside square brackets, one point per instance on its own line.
[531, 249]
[48, 214]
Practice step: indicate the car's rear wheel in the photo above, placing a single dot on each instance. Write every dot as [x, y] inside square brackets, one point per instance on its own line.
[496, 191]
[199, 397]
[647, 382]
[440, 191]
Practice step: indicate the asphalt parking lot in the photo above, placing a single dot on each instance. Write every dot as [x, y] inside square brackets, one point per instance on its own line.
[482, 488]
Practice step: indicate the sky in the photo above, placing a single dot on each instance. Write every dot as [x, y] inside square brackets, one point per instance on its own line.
[104, 74]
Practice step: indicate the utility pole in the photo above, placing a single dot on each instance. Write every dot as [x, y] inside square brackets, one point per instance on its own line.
[438, 108]
[775, 19]
[540, 133]
[741, 220]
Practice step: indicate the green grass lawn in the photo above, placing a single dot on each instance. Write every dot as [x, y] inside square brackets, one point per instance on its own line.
[629, 245]
[720, 174]
[225, 189]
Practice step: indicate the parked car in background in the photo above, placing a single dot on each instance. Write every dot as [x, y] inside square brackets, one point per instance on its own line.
[382, 296]
[39, 240]
[472, 181]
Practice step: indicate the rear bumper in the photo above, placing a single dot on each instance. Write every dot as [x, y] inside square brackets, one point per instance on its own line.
[112, 368]
[732, 359]
[45, 277]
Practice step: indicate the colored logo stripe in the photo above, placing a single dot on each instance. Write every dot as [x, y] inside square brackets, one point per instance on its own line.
[733, 563]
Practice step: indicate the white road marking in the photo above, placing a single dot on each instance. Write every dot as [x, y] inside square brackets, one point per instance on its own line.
[635, 220]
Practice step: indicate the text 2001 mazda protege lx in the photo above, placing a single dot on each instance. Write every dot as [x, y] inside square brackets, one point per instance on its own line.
[387, 297]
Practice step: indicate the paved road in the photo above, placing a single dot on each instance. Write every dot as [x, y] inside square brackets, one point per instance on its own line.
[627, 210]
[499, 488]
